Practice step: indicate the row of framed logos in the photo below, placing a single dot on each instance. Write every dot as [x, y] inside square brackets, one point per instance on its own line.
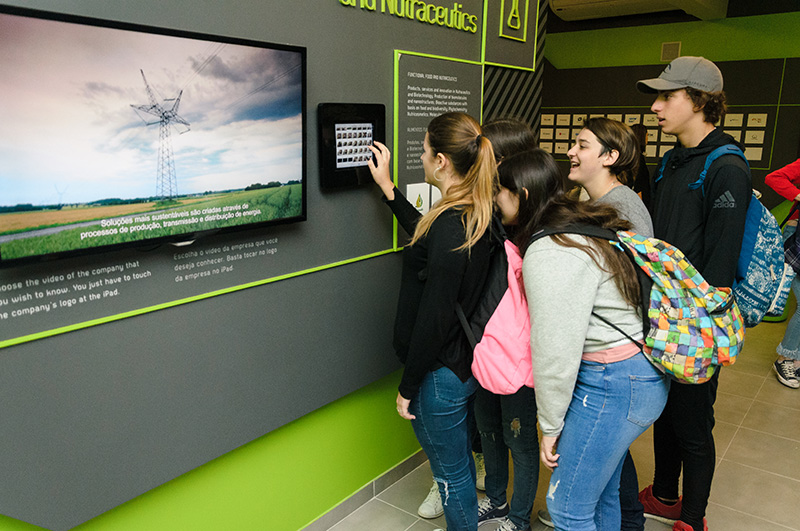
[558, 132]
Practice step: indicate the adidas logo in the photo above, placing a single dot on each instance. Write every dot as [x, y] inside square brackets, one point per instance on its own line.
[726, 200]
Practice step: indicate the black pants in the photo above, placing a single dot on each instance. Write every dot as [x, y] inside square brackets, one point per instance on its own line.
[682, 437]
[631, 509]
[508, 422]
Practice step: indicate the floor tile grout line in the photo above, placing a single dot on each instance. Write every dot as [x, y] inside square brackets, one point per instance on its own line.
[422, 464]
[796, 480]
[359, 508]
[728, 447]
[761, 401]
[783, 437]
[398, 508]
[777, 405]
[728, 508]
[384, 502]
[375, 494]
[722, 392]
[739, 425]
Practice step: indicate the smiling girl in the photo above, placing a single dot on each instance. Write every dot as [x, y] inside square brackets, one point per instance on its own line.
[605, 152]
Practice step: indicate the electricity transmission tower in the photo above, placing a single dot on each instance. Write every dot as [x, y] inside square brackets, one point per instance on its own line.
[166, 183]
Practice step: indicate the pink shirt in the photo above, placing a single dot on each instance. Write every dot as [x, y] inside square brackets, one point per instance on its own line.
[610, 355]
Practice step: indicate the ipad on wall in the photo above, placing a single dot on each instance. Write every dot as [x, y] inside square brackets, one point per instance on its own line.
[346, 130]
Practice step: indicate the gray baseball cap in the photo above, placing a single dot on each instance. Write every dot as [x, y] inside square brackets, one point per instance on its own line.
[695, 72]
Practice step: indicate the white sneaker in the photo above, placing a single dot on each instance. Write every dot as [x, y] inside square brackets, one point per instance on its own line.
[544, 517]
[432, 506]
[480, 470]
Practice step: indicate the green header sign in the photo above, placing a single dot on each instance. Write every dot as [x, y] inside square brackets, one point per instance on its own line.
[450, 17]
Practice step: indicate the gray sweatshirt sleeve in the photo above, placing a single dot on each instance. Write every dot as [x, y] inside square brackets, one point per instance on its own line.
[631, 208]
[561, 285]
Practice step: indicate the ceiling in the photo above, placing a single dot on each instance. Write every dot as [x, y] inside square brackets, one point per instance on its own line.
[736, 8]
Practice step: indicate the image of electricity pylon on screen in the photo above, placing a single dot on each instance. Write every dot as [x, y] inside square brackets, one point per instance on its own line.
[167, 117]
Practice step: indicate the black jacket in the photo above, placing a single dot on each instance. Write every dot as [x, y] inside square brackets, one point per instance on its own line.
[427, 333]
[707, 225]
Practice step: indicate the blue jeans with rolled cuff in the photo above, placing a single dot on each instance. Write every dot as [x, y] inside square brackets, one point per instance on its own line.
[789, 347]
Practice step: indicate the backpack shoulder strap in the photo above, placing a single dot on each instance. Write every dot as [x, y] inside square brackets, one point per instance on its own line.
[465, 325]
[727, 149]
[498, 237]
[638, 343]
[645, 282]
[660, 171]
[583, 230]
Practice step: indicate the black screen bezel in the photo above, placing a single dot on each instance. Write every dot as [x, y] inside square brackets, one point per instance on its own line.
[189, 236]
[331, 114]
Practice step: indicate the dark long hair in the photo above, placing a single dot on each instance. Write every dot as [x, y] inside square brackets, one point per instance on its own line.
[536, 179]
[509, 136]
[640, 132]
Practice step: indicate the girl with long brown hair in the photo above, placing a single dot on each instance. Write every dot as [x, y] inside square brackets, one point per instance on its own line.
[444, 264]
[596, 392]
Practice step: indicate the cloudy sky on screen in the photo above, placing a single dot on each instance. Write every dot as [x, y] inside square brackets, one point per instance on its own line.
[69, 132]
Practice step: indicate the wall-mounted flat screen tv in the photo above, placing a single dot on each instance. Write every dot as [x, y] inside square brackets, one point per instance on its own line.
[115, 134]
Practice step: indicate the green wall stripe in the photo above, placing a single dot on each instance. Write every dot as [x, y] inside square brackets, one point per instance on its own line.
[777, 113]
[733, 39]
[187, 300]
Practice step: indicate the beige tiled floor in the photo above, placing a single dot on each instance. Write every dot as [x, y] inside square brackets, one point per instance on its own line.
[757, 481]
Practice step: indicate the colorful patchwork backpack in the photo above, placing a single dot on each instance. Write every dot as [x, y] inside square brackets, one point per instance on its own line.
[694, 327]
[690, 327]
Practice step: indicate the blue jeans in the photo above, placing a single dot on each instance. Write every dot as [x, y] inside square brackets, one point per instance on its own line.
[789, 346]
[508, 422]
[612, 405]
[443, 407]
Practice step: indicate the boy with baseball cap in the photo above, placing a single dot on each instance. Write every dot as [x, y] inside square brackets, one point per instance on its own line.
[707, 224]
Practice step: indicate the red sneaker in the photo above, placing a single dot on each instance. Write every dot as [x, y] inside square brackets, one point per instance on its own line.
[658, 510]
[683, 526]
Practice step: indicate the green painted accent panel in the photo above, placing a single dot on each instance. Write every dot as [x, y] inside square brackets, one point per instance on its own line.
[734, 39]
[337, 450]
[9, 524]
[782, 210]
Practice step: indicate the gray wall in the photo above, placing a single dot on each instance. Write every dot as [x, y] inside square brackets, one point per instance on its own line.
[94, 417]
